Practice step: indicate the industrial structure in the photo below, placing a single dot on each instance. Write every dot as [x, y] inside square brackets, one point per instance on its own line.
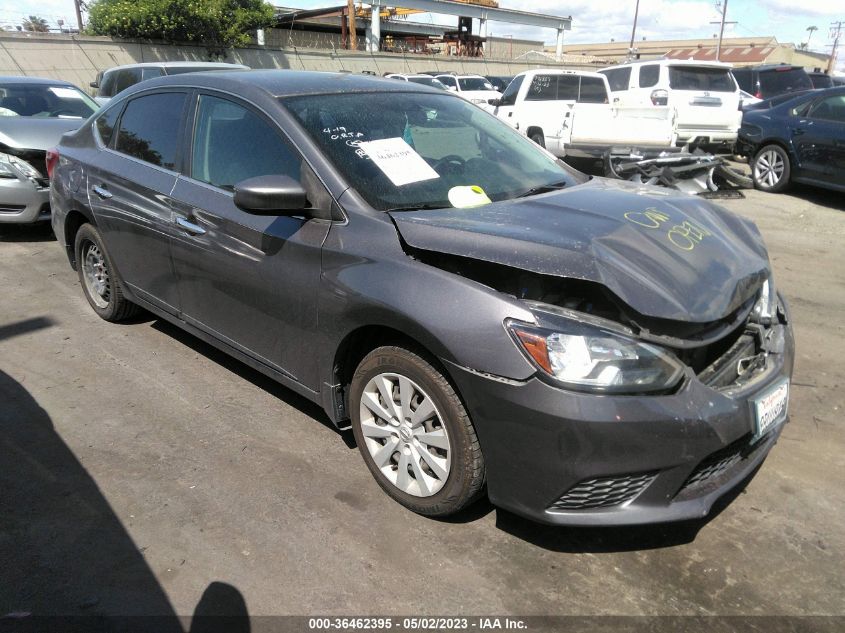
[739, 51]
[384, 26]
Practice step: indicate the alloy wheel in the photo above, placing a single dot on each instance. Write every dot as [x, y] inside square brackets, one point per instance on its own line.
[769, 168]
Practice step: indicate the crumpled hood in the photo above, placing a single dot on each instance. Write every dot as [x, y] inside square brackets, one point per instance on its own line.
[34, 133]
[666, 254]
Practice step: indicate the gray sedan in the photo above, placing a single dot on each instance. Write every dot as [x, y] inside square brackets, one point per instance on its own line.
[486, 319]
[34, 113]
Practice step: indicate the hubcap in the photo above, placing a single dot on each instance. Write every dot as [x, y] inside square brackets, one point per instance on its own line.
[95, 274]
[769, 167]
[405, 434]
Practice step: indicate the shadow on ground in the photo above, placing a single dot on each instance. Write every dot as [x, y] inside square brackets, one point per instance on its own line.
[63, 551]
[38, 232]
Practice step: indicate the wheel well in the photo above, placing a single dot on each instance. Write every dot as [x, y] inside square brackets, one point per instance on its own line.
[364, 340]
[73, 221]
[777, 142]
[533, 129]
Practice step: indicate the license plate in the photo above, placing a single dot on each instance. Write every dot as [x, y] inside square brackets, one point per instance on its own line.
[770, 409]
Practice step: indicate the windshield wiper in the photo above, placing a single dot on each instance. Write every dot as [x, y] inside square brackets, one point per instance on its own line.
[416, 207]
[542, 189]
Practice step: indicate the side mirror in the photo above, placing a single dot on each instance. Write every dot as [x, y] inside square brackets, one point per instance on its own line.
[452, 88]
[494, 102]
[270, 195]
[94, 84]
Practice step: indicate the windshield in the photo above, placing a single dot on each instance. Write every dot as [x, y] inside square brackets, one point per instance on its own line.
[701, 78]
[475, 83]
[427, 81]
[45, 101]
[432, 148]
[775, 82]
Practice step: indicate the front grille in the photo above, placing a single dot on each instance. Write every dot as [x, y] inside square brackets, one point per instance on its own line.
[603, 492]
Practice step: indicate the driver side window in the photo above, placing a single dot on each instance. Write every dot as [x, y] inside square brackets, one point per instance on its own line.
[232, 143]
[509, 95]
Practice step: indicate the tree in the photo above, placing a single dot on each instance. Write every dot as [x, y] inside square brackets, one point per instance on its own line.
[810, 30]
[217, 24]
[36, 24]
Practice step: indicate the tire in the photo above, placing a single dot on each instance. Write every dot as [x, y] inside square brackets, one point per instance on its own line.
[442, 441]
[770, 169]
[538, 137]
[98, 277]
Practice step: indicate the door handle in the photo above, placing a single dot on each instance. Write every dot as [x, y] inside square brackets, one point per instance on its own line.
[188, 226]
[104, 193]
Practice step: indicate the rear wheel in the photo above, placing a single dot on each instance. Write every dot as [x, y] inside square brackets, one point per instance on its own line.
[414, 433]
[98, 277]
[770, 169]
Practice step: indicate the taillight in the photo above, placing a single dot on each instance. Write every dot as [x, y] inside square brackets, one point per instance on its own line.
[659, 97]
[52, 159]
[759, 94]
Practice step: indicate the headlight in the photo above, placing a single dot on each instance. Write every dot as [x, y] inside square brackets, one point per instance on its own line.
[591, 359]
[766, 305]
[13, 167]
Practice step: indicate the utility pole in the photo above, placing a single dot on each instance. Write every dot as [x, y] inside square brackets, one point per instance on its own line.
[634, 30]
[721, 31]
[76, 5]
[835, 32]
[353, 34]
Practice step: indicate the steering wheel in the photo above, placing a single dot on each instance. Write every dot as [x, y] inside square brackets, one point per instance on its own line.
[456, 164]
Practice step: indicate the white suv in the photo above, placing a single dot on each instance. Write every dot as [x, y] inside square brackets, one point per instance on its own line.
[704, 95]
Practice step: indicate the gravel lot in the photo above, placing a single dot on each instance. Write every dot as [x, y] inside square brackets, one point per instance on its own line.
[139, 465]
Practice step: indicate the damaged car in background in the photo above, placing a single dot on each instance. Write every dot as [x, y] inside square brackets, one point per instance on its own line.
[34, 113]
[486, 319]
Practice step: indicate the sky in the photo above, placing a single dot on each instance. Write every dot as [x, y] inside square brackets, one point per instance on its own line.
[596, 20]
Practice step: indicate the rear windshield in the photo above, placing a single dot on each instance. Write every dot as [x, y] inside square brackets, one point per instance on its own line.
[45, 101]
[701, 78]
[775, 82]
[427, 81]
[475, 83]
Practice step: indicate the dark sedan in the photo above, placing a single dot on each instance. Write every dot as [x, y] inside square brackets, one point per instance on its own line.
[487, 320]
[798, 140]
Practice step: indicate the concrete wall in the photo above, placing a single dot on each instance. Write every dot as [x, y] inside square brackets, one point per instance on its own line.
[78, 58]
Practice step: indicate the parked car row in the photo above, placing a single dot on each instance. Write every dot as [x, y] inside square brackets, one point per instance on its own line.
[485, 318]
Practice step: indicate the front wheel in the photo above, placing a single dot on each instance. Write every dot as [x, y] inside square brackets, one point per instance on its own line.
[770, 169]
[98, 277]
[414, 433]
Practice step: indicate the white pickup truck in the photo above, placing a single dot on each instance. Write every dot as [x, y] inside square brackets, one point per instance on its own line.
[570, 114]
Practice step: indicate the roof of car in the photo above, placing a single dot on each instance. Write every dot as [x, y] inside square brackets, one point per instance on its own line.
[284, 83]
[672, 62]
[763, 67]
[20, 79]
[220, 65]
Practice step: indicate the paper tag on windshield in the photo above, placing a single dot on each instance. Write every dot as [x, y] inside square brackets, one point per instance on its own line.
[65, 93]
[398, 161]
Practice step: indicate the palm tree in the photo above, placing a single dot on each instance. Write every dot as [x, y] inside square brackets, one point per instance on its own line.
[36, 24]
[810, 30]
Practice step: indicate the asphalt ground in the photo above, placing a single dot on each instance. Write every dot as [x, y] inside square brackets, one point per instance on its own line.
[142, 471]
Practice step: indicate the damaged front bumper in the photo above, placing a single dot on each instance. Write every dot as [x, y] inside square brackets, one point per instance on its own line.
[568, 458]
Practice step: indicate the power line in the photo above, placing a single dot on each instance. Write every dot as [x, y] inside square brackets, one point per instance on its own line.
[835, 33]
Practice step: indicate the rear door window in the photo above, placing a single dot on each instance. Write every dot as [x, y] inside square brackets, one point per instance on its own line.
[106, 123]
[592, 91]
[567, 87]
[618, 78]
[649, 75]
[151, 73]
[701, 78]
[829, 109]
[232, 143]
[150, 128]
